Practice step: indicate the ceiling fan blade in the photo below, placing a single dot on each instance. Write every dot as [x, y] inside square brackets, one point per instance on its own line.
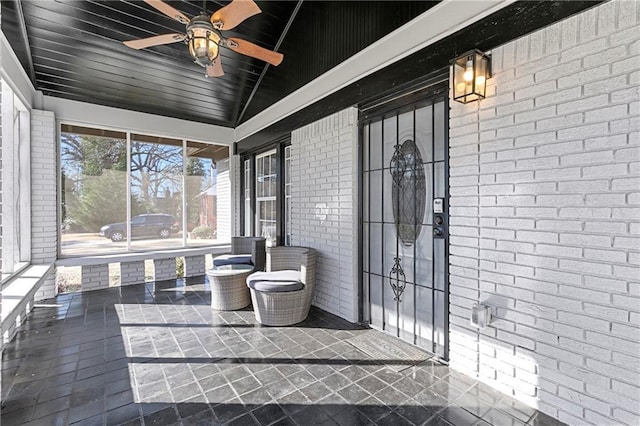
[215, 70]
[247, 48]
[154, 41]
[168, 10]
[234, 13]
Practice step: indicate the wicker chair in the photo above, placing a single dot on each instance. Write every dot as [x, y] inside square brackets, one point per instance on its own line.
[245, 250]
[279, 308]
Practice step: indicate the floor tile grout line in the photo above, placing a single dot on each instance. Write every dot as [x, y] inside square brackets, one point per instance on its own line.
[242, 347]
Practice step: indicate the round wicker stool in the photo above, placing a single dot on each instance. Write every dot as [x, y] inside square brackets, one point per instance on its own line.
[228, 287]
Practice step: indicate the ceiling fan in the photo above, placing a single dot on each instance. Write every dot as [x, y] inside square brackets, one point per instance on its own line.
[204, 37]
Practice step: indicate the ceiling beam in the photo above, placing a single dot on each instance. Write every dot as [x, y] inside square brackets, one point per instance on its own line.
[25, 39]
[266, 67]
[92, 115]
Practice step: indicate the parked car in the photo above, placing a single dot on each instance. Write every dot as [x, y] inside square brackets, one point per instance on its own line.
[142, 226]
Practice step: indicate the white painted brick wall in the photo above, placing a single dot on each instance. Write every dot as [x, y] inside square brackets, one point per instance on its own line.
[1, 330]
[236, 169]
[95, 277]
[44, 177]
[1, 229]
[223, 202]
[194, 266]
[165, 269]
[545, 211]
[323, 207]
[132, 272]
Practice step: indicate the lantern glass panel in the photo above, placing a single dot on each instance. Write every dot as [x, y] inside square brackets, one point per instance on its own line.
[481, 75]
[470, 73]
[460, 86]
[203, 45]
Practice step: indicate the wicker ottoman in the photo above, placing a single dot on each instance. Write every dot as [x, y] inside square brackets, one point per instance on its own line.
[228, 287]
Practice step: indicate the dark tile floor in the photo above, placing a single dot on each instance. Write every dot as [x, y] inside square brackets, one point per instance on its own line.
[156, 354]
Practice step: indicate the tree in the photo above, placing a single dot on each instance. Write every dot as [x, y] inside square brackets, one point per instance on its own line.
[156, 177]
[94, 181]
[195, 183]
[93, 154]
[103, 200]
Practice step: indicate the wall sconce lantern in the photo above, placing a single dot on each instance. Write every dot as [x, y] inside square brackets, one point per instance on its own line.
[470, 73]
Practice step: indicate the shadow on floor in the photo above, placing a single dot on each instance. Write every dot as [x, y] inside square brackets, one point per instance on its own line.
[156, 354]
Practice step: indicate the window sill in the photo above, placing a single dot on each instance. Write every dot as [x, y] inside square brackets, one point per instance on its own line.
[7, 277]
[18, 293]
[138, 256]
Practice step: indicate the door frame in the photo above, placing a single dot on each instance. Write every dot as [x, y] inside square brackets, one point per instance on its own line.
[437, 87]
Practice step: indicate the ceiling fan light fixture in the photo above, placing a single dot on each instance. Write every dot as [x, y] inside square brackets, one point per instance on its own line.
[204, 36]
[203, 41]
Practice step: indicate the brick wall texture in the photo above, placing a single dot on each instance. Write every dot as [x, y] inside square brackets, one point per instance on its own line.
[165, 269]
[44, 178]
[236, 184]
[223, 201]
[545, 209]
[131, 272]
[194, 265]
[1, 330]
[95, 277]
[323, 207]
[1, 230]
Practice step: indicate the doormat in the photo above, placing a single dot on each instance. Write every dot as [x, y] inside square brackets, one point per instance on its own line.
[393, 352]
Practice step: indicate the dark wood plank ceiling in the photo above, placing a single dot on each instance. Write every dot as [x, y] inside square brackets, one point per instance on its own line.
[75, 51]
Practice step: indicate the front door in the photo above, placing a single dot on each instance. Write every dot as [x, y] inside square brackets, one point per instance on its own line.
[405, 218]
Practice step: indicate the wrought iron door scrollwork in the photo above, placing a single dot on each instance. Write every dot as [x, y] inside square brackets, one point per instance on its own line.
[408, 192]
[409, 203]
[398, 166]
[397, 279]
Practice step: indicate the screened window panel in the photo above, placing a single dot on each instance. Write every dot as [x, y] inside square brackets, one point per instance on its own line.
[205, 210]
[94, 192]
[156, 193]
[174, 198]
